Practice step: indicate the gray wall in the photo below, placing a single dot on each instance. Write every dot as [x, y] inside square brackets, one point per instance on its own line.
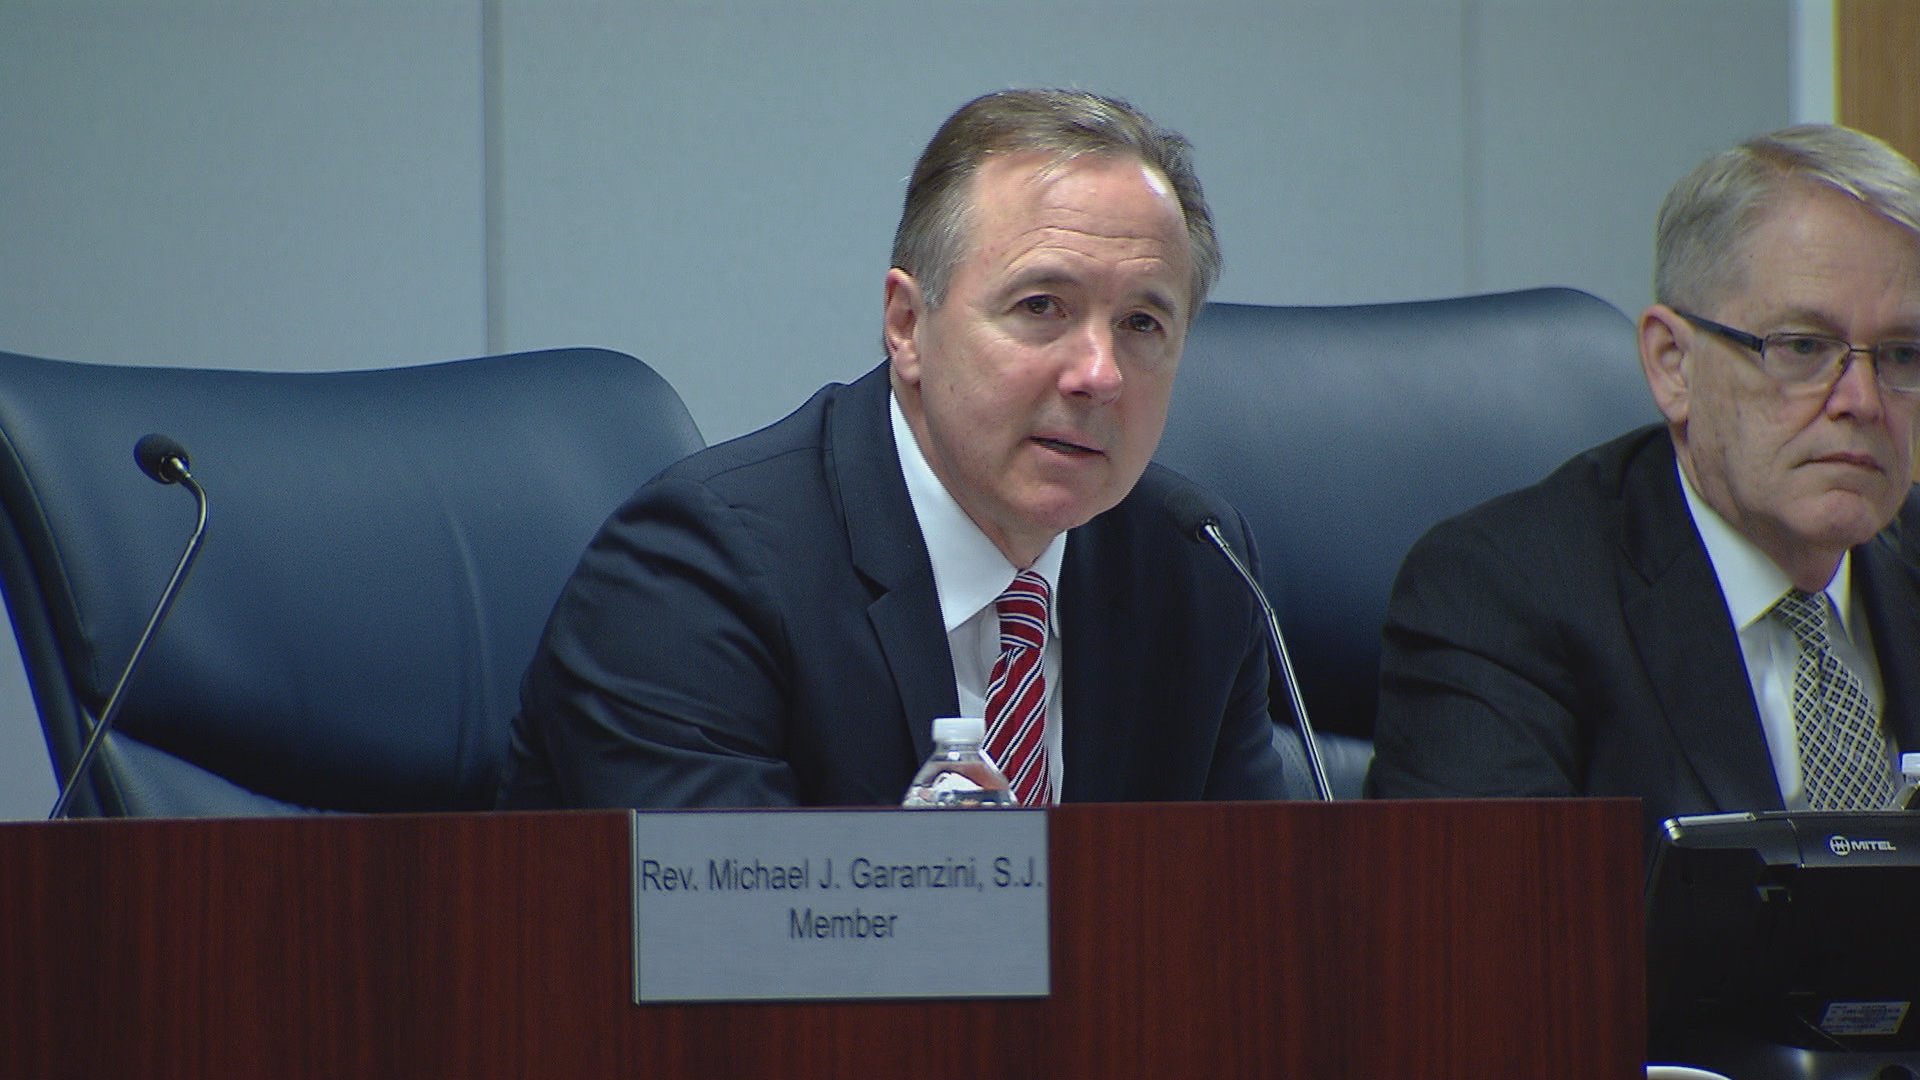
[271, 183]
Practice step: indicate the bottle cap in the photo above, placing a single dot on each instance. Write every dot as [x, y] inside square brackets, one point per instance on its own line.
[964, 729]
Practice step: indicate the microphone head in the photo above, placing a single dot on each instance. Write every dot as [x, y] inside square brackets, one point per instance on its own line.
[161, 458]
[1191, 509]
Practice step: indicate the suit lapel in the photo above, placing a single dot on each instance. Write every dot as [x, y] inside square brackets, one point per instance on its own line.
[1099, 734]
[1887, 579]
[890, 553]
[1677, 618]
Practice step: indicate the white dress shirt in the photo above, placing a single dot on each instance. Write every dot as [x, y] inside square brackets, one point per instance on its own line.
[969, 574]
[1752, 583]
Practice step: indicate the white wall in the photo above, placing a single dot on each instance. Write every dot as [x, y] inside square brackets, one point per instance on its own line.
[290, 183]
[240, 184]
[666, 170]
[1811, 75]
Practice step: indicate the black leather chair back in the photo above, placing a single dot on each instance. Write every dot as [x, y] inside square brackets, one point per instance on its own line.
[382, 550]
[1343, 433]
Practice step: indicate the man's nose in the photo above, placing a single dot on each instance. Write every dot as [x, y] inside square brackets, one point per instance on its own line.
[1857, 391]
[1093, 369]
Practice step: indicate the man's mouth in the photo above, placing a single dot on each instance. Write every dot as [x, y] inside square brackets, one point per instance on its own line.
[1062, 446]
[1841, 457]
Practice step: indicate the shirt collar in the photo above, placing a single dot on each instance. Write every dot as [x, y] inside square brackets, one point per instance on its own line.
[969, 573]
[1751, 582]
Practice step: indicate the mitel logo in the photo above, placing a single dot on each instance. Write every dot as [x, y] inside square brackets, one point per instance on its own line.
[1843, 847]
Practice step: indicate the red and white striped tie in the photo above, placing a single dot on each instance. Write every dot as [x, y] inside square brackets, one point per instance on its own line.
[1017, 693]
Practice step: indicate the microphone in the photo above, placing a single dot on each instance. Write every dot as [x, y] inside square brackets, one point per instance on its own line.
[161, 458]
[1197, 519]
[165, 461]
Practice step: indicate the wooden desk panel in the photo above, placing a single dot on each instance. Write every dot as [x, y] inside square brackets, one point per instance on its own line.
[1476, 940]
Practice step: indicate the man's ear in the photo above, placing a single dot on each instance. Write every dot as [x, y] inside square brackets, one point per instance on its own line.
[900, 324]
[1666, 340]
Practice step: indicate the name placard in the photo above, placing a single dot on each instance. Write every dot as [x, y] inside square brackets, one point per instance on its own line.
[779, 905]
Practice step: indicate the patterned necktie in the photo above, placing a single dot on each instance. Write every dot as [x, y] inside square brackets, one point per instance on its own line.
[1845, 759]
[1017, 692]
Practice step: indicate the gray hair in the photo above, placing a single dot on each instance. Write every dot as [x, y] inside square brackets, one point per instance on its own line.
[932, 237]
[1714, 208]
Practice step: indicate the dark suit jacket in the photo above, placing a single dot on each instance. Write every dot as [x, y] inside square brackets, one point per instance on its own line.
[1571, 639]
[758, 627]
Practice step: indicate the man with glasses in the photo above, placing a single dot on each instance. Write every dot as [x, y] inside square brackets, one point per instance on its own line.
[1721, 612]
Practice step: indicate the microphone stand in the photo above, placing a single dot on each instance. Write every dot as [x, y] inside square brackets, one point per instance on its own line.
[1308, 739]
[173, 468]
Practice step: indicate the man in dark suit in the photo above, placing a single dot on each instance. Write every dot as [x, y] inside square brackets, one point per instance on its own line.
[778, 620]
[1722, 612]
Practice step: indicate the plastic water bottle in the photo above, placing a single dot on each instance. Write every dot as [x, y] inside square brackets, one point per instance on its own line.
[1908, 797]
[957, 775]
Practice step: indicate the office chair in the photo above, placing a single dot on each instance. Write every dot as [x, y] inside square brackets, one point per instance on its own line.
[381, 553]
[1343, 433]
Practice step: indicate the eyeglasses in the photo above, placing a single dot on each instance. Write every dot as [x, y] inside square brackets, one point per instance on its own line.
[1817, 358]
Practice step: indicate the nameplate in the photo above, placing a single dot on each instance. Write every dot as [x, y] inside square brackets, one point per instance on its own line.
[785, 905]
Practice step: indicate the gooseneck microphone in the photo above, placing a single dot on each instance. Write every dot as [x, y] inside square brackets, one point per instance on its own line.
[165, 461]
[1197, 519]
